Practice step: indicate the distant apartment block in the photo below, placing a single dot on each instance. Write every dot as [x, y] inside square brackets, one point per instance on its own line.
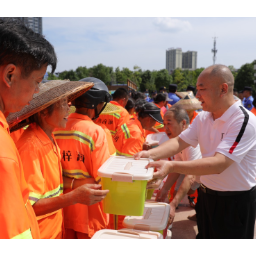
[189, 60]
[35, 23]
[175, 58]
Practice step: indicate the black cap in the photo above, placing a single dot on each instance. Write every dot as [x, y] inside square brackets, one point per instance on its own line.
[162, 88]
[241, 91]
[173, 87]
[191, 88]
[247, 88]
[155, 114]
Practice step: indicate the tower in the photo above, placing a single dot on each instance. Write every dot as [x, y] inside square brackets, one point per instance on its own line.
[214, 50]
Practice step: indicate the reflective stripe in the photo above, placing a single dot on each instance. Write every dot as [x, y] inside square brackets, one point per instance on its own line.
[122, 154]
[115, 115]
[76, 174]
[34, 197]
[112, 132]
[98, 179]
[126, 131]
[76, 135]
[25, 235]
[114, 154]
[159, 126]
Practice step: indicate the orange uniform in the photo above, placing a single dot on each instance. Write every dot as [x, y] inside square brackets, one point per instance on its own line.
[158, 126]
[16, 135]
[253, 111]
[17, 217]
[111, 146]
[43, 172]
[84, 149]
[115, 120]
[129, 140]
[194, 116]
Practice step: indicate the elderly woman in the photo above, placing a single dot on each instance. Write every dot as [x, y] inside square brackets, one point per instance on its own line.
[41, 160]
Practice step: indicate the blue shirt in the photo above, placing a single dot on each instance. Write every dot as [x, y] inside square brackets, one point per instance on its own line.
[148, 99]
[173, 97]
[248, 102]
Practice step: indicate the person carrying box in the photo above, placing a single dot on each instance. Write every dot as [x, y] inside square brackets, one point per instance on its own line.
[84, 149]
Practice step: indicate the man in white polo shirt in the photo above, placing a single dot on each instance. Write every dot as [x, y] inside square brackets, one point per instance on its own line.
[226, 133]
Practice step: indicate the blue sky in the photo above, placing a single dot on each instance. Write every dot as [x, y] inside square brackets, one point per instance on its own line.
[126, 42]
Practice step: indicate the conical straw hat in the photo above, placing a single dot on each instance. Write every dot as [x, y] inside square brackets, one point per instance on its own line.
[188, 101]
[50, 93]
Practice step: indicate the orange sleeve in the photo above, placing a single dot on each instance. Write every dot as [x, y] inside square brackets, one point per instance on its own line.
[13, 218]
[101, 152]
[132, 146]
[32, 172]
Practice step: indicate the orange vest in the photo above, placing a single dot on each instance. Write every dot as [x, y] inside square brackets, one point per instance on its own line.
[84, 149]
[43, 173]
[111, 146]
[17, 217]
[114, 121]
[158, 126]
[253, 111]
[129, 140]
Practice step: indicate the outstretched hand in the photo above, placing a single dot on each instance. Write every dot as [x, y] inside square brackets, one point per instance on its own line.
[163, 168]
[141, 154]
[90, 194]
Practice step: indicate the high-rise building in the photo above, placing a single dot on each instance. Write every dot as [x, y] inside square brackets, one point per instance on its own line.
[35, 23]
[173, 59]
[189, 60]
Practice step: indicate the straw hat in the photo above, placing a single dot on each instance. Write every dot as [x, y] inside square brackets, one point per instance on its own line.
[188, 101]
[50, 93]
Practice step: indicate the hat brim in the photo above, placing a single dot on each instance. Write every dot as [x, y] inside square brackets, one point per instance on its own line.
[157, 117]
[49, 94]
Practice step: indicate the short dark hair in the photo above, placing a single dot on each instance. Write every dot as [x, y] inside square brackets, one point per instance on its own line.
[141, 105]
[159, 98]
[120, 93]
[24, 48]
[130, 104]
[137, 95]
[179, 114]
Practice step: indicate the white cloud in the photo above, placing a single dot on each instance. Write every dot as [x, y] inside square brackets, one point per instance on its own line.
[172, 25]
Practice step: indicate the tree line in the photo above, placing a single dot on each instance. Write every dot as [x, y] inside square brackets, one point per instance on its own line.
[153, 80]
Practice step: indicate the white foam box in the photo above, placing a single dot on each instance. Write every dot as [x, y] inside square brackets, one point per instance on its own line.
[155, 218]
[126, 234]
[154, 138]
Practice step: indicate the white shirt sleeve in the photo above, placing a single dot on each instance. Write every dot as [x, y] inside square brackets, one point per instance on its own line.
[191, 153]
[190, 135]
[234, 148]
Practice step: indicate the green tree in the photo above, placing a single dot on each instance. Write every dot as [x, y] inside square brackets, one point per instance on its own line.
[102, 72]
[163, 79]
[71, 75]
[178, 79]
[82, 72]
[245, 77]
[52, 77]
[147, 80]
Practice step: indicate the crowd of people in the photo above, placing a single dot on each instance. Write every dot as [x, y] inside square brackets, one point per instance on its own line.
[51, 152]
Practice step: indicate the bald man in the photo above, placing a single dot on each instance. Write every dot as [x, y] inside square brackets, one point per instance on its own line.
[226, 133]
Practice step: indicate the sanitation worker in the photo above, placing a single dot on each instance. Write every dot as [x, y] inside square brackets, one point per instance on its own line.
[24, 57]
[226, 132]
[119, 116]
[41, 159]
[84, 149]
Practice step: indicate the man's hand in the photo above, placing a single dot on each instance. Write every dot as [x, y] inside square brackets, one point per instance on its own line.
[162, 196]
[89, 194]
[146, 146]
[154, 184]
[163, 168]
[141, 154]
[172, 213]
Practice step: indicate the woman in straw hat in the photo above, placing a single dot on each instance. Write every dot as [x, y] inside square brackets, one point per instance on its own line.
[41, 156]
[190, 103]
